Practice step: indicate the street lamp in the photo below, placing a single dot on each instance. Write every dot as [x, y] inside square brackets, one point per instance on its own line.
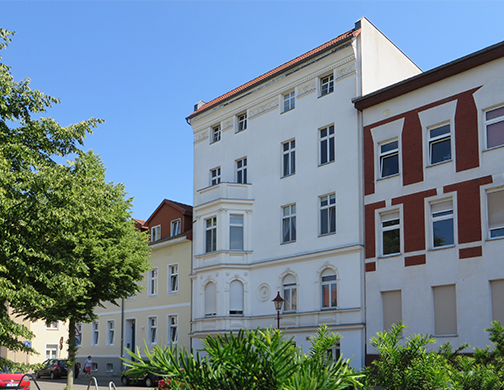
[278, 301]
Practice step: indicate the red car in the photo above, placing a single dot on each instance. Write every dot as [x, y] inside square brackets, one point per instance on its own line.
[11, 381]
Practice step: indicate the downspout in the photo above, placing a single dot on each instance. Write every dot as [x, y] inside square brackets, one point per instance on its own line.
[122, 333]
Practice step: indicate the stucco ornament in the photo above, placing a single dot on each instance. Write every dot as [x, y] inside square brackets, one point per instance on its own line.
[263, 292]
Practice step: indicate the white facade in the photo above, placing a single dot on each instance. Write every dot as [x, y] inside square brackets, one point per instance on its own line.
[244, 250]
[450, 289]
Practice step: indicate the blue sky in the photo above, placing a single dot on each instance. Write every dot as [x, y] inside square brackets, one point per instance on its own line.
[142, 65]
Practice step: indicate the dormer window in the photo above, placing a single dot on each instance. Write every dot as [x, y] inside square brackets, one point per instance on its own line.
[175, 228]
[155, 233]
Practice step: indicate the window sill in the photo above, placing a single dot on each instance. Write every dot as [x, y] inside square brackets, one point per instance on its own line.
[446, 335]
[388, 256]
[493, 148]
[290, 109]
[439, 163]
[287, 242]
[173, 292]
[214, 142]
[326, 234]
[495, 238]
[437, 248]
[329, 93]
[292, 174]
[389, 176]
[328, 308]
[326, 163]
[240, 131]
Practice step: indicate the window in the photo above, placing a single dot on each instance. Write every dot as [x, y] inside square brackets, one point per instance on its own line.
[211, 234]
[328, 214]
[391, 233]
[496, 214]
[290, 293]
[289, 223]
[389, 159]
[173, 278]
[175, 227]
[242, 122]
[289, 158]
[215, 176]
[52, 325]
[494, 124]
[329, 289]
[110, 332]
[236, 298]
[326, 85]
[110, 367]
[152, 321]
[210, 300]
[497, 291]
[442, 224]
[289, 101]
[155, 233]
[241, 171]
[236, 232]
[216, 133]
[334, 353]
[51, 351]
[445, 310]
[326, 145]
[153, 281]
[95, 328]
[94, 366]
[440, 144]
[173, 329]
[392, 308]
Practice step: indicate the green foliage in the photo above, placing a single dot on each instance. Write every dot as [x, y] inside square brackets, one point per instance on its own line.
[260, 359]
[68, 239]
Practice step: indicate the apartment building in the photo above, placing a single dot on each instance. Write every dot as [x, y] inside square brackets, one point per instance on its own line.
[434, 200]
[278, 199]
[158, 315]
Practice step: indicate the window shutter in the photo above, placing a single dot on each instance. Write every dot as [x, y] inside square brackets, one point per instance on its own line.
[236, 296]
[441, 206]
[210, 300]
[496, 209]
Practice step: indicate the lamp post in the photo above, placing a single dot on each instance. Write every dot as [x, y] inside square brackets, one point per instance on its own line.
[278, 301]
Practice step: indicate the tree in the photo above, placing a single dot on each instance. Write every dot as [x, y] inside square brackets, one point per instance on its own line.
[68, 239]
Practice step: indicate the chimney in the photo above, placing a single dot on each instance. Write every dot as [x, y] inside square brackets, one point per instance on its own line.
[198, 105]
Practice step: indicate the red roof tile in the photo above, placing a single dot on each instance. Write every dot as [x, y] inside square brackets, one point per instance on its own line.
[277, 70]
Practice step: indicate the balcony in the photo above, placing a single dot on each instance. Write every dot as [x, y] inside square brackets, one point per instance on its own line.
[223, 191]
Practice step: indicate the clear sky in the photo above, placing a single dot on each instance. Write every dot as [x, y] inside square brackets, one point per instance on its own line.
[142, 65]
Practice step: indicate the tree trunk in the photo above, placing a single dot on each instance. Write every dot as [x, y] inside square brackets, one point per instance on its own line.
[72, 349]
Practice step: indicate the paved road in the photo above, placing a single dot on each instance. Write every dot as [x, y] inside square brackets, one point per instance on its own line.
[82, 383]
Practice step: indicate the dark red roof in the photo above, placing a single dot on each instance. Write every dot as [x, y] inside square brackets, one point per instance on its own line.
[349, 34]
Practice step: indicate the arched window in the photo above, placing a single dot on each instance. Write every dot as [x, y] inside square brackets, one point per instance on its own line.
[329, 289]
[290, 293]
[236, 298]
[210, 300]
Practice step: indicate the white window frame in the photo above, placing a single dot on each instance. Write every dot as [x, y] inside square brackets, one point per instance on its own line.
[241, 170]
[155, 233]
[327, 203]
[172, 329]
[329, 281]
[215, 176]
[433, 140]
[153, 275]
[152, 330]
[241, 122]
[288, 158]
[110, 332]
[211, 232]
[291, 287]
[52, 325]
[334, 353]
[95, 332]
[51, 351]
[78, 326]
[236, 293]
[289, 101]
[210, 299]
[94, 367]
[175, 227]
[495, 223]
[236, 225]
[326, 84]
[173, 278]
[110, 367]
[388, 154]
[215, 134]
[390, 221]
[326, 143]
[289, 218]
[439, 216]
[489, 122]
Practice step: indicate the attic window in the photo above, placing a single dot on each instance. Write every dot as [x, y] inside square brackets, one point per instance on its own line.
[155, 233]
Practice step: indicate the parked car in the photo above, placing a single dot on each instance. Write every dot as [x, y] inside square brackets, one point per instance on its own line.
[14, 380]
[148, 379]
[54, 368]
